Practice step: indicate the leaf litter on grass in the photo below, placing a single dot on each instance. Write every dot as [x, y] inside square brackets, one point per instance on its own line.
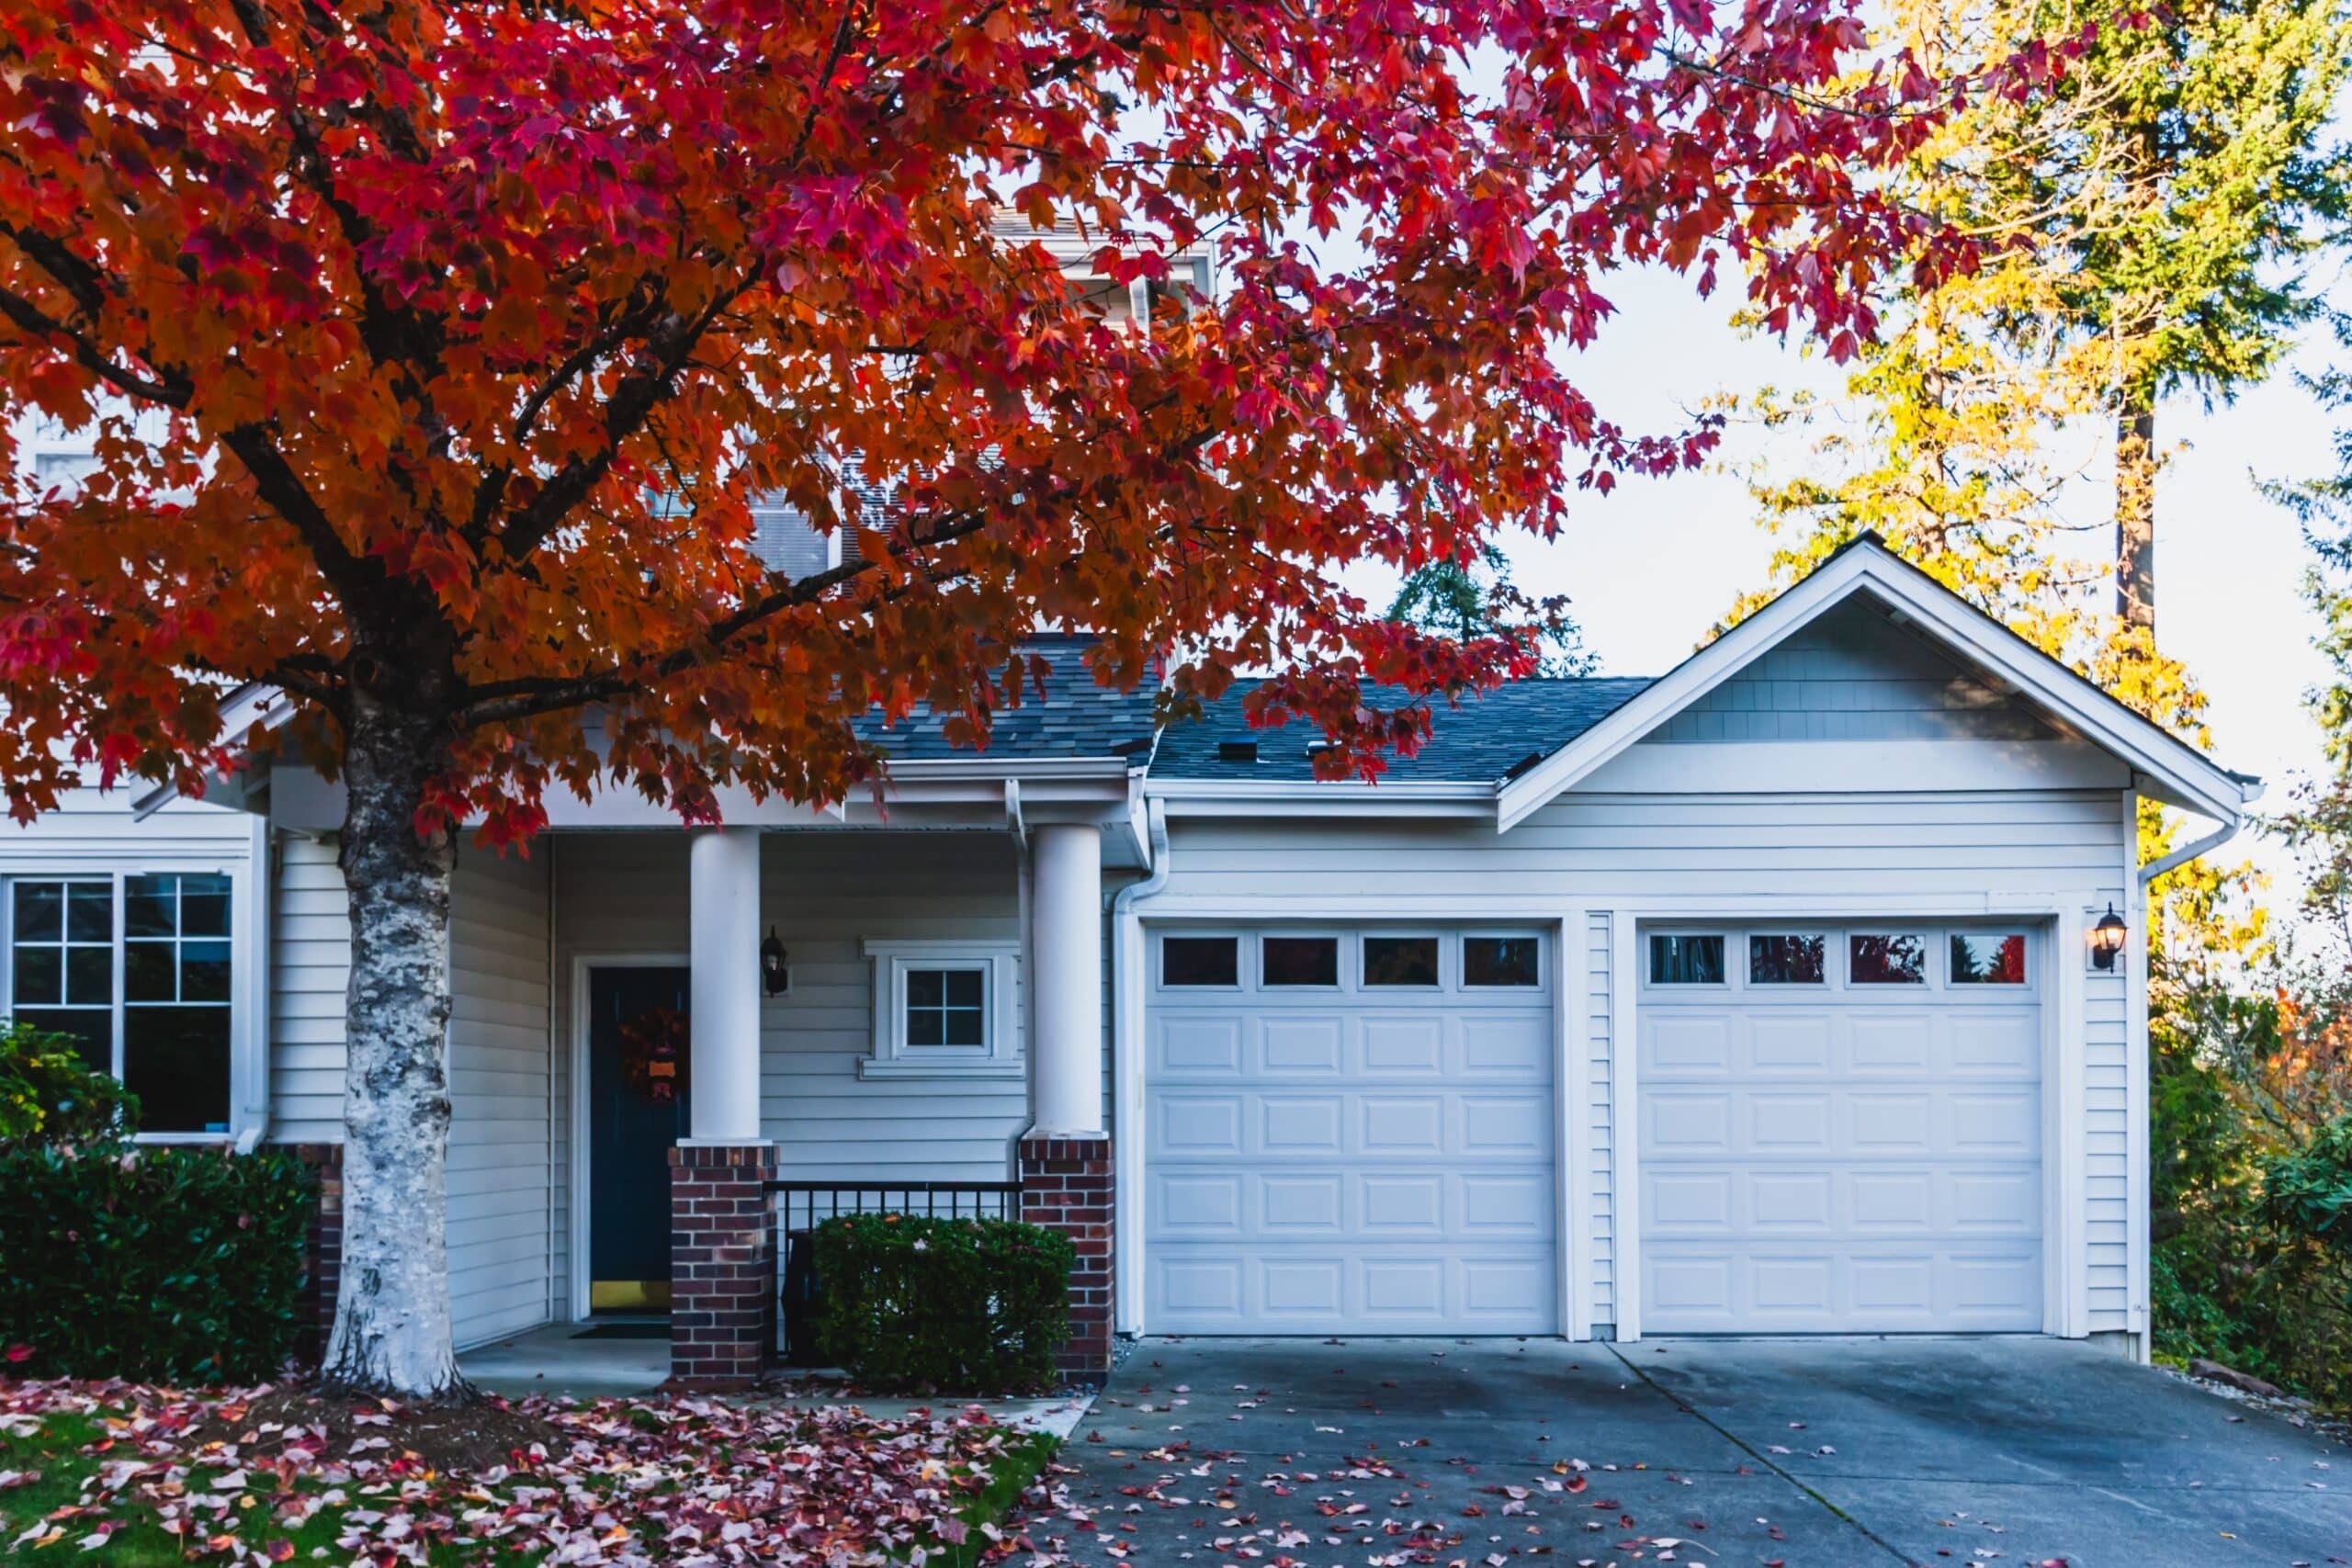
[263, 1476]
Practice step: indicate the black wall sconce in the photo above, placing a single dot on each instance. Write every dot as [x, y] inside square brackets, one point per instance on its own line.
[2107, 940]
[776, 978]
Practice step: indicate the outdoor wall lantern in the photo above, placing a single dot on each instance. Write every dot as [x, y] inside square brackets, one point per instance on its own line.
[2107, 940]
[775, 979]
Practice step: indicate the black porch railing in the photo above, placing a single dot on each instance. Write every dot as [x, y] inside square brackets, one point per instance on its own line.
[801, 1206]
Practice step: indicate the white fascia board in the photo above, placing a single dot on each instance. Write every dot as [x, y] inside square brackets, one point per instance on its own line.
[1307, 797]
[1868, 567]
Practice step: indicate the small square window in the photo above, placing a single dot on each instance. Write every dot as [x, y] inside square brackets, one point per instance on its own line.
[1687, 960]
[1988, 958]
[1780, 959]
[946, 1006]
[1502, 961]
[1299, 960]
[1400, 961]
[1200, 960]
[1895, 960]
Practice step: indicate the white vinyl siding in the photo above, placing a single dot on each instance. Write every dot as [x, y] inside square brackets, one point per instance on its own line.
[504, 1267]
[1946, 853]
[310, 971]
[501, 1274]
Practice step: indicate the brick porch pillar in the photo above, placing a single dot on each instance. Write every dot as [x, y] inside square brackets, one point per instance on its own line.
[323, 1249]
[1066, 1185]
[722, 1264]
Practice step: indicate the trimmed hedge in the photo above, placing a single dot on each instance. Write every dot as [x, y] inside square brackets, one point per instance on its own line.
[162, 1263]
[945, 1306]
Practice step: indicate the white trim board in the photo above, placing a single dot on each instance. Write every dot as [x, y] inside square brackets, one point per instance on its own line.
[576, 1254]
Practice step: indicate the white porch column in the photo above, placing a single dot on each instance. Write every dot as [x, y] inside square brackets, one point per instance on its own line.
[723, 945]
[1066, 980]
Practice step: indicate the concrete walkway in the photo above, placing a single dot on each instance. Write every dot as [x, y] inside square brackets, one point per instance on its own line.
[1866, 1452]
[554, 1362]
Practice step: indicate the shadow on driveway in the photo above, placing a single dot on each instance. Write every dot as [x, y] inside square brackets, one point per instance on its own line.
[1392, 1453]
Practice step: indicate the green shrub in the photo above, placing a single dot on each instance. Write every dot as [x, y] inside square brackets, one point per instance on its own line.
[2309, 1191]
[49, 1095]
[952, 1307]
[161, 1264]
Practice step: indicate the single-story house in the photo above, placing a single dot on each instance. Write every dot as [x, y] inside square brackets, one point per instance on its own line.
[1799, 990]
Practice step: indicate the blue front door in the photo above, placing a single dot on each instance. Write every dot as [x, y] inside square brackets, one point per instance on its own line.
[637, 1109]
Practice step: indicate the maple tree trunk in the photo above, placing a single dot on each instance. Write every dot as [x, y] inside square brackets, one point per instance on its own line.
[392, 1332]
[2135, 510]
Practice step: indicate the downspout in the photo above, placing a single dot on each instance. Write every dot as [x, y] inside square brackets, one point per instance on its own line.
[1126, 1063]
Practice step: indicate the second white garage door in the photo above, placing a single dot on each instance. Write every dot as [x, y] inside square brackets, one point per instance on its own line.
[1841, 1130]
[1350, 1132]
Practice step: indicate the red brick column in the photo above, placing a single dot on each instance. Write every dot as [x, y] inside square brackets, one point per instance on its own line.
[722, 1264]
[323, 1250]
[1066, 1185]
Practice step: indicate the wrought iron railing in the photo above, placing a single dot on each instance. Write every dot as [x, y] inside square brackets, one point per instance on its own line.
[801, 1206]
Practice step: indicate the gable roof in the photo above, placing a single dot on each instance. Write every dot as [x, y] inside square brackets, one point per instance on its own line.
[1481, 742]
[2167, 767]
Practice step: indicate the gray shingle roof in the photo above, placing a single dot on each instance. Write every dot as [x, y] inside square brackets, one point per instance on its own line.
[1077, 718]
[1480, 742]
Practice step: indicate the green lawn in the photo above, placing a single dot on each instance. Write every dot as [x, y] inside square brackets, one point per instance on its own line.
[141, 1541]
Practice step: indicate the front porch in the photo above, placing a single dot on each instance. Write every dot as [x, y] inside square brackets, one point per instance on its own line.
[670, 1049]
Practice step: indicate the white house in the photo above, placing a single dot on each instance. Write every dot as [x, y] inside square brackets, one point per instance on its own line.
[1769, 996]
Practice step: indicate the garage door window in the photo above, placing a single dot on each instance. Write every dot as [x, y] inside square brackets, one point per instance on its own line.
[1502, 961]
[1894, 959]
[1206, 962]
[1400, 961]
[1787, 960]
[1988, 958]
[1693, 960]
[1299, 960]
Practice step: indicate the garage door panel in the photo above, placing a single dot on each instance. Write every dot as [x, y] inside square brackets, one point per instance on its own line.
[1296, 1125]
[1207, 1045]
[1299, 1204]
[1518, 1049]
[1305, 1047]
[1851, 1161]
[1798, 1043]
[1404, 1047]
[1369, 1162]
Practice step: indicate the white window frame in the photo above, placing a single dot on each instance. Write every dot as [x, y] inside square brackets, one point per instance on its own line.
[1446, 960]
[1460, 947]
[999, 1054]
[242, 1038]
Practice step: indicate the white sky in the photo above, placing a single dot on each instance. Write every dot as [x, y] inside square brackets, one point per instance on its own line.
[1652, 566]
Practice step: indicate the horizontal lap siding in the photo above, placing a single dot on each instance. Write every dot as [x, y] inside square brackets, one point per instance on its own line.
[310, 970]
[1606, 852]
[501, 1263]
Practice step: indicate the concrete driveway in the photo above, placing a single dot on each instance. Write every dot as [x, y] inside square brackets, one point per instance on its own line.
[1813, 1454]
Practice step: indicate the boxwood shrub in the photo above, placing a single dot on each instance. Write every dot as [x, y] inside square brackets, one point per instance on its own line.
[943, 1306]
[163, 1264]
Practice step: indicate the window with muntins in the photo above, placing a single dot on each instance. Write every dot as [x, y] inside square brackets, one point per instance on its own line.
[946, 1006]
[138, 972]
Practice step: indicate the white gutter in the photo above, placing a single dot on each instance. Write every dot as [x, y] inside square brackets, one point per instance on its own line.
[2190, 851]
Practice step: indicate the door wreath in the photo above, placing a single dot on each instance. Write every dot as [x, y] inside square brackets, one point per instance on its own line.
[654, 1054]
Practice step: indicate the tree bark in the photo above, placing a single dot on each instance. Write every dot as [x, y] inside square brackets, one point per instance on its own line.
[2135, 510]
[392, 1332]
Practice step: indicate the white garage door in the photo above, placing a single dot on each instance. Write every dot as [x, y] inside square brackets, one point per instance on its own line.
[1840, 1129]
[1350, 1132]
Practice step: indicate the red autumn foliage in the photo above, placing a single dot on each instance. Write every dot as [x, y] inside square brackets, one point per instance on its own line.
[398, 321]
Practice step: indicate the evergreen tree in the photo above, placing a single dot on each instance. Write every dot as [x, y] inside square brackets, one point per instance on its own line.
[1466, 603]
